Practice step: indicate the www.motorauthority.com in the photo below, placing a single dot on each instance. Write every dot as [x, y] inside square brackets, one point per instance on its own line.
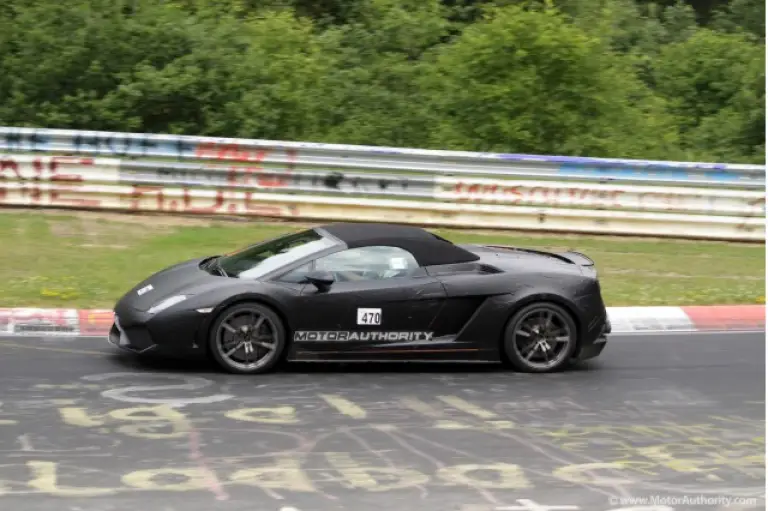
[685, 500]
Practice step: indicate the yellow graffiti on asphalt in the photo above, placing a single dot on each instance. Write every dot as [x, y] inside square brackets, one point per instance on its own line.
[508, 476]
[645, 450]
[45, 480]
[344, 406]
[144, 421]
[265, 415]
[715, 449]
[686, 449]
[370, 478]
[285, 474]
[192, 479]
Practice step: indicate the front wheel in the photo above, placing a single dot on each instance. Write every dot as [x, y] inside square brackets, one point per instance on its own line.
[247, 338]
[540, 338]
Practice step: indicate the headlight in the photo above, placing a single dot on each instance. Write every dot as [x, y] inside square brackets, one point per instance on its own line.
[168, 302]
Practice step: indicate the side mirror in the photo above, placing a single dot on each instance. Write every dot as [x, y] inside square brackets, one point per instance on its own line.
[322, 280]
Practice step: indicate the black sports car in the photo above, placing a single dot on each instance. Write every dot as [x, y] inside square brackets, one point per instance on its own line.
[365, 292]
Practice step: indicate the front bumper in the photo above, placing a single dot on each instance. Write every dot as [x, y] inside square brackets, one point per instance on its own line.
[136, 340]
[169, 333]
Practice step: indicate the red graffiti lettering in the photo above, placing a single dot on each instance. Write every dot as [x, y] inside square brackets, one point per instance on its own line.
[232, 152]
[252, 207]
[517, 194]
[33, 193]
[510, 194]
[61, 196]
[53, 166]
[254, 176]
[146, 198]
[189, 206]
[9, 164]
[664, 201]
[574, 197]
[43, 169]
[138, 193]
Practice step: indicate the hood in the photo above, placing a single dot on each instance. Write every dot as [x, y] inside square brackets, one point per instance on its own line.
[186, 278]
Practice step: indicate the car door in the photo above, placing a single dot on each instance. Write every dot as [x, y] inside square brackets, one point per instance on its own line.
[381, 300]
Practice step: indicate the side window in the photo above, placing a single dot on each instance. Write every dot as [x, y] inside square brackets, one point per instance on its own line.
[296, 276]
[365, 263]
[368, 263]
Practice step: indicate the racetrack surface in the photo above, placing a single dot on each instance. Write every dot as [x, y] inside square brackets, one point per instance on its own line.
[678, 418]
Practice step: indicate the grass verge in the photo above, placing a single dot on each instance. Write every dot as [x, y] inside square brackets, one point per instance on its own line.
[73, 259]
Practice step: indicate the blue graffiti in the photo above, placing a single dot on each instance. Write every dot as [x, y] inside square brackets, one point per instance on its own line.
[658, 173]
[19, 141]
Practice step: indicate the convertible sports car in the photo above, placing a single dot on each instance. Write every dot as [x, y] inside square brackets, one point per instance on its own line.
[367, 292]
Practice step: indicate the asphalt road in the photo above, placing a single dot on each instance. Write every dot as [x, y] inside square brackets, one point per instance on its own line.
[659, 420]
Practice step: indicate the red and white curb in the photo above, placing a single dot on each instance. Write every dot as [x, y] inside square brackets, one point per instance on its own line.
[97, 322]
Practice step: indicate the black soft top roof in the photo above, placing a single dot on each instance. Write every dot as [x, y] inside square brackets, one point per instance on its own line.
[428, 249]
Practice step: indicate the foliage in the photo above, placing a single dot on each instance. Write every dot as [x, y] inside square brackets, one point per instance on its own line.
[622, 78]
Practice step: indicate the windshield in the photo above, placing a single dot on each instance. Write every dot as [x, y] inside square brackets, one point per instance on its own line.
[258, 260]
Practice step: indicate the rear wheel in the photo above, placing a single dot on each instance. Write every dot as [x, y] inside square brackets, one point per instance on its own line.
[540, 338]
[247, 338]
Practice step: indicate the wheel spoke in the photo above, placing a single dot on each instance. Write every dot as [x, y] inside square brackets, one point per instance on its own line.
[545, 352]
[531, 349]
[523, 333]
[258, 323]
[233, 350]
[264, 345]
[229, 328]
[564, 338]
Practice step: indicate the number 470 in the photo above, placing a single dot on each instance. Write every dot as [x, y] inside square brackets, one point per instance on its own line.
[369, 316]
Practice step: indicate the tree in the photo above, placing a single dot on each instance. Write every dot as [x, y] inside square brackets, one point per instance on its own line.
[372, 96]
[528, 81]
[715, 86]
[60, 61]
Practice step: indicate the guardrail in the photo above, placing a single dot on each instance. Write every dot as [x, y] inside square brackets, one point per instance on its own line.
[203, 175]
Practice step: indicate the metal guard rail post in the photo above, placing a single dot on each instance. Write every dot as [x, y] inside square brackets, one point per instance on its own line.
[310, 181]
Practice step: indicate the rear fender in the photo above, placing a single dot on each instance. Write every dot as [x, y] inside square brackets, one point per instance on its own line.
[563, 302]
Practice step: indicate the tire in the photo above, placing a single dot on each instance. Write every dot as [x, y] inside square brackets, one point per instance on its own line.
[523, 355]
[231, 347]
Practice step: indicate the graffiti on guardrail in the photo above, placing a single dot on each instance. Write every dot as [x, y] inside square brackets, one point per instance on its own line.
[651, 172]
[50, 168]
[521, 194]
[234, 152]
[604, 197]
[256, 177]
[330, 182]
[269, 178]
[156, 198]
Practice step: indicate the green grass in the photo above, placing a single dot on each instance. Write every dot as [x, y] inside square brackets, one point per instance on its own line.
[69, 259]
